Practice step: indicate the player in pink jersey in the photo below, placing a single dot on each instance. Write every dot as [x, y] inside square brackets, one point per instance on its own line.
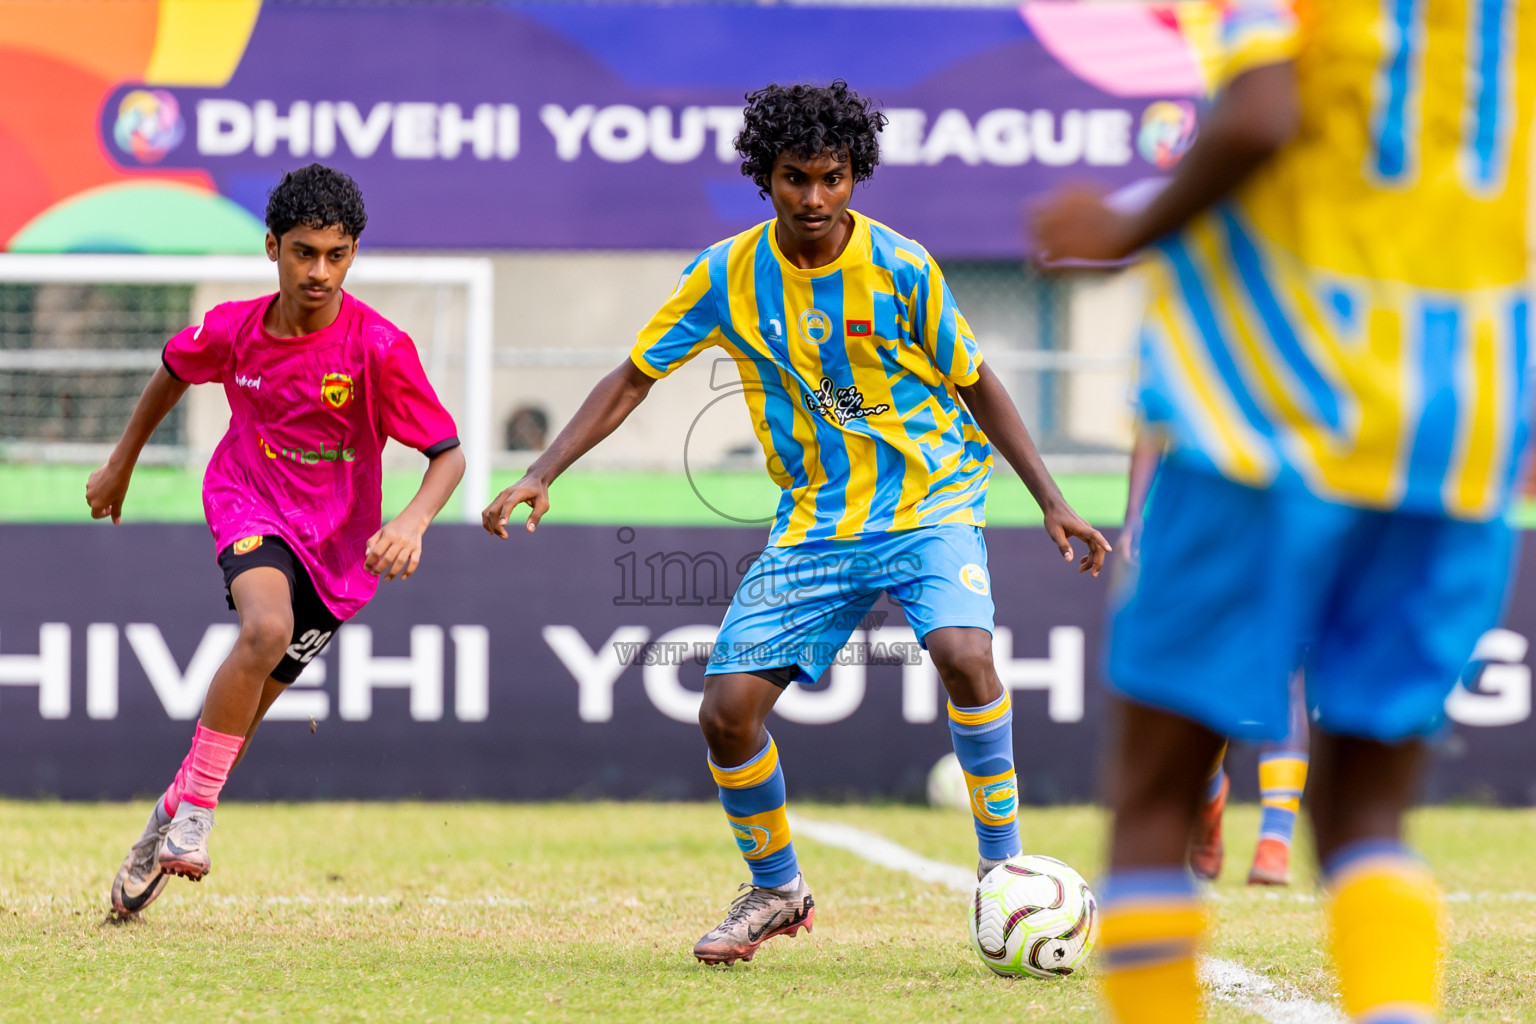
[317, 382]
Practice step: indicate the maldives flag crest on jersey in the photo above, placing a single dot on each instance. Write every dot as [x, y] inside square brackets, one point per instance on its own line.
[336, 390]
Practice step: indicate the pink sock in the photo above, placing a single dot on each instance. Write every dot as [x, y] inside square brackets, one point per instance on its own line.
[172, 799]
[204, 770]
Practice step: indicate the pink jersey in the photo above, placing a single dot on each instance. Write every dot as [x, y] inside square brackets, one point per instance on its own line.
[308, 420]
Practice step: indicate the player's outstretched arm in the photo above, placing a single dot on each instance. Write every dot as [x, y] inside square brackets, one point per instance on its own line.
[614, 398]
[999, 419]
[108, 486]
[1257, 113]
[396, 549]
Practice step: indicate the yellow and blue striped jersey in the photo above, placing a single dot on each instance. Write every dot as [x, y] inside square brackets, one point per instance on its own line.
[850, 373]
[1354, 317]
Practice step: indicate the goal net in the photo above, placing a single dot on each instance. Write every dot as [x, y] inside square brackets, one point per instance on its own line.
[80, 334]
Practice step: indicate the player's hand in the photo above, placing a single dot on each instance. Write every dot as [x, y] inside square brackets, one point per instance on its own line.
[1129, 541]
[106, 489]
[1061, 523]
[1075, 224]
[527, 491]
[395, 550]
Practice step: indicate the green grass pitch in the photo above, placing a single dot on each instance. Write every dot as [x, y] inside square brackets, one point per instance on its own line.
[31, 492]
[56, 493]
[572, 912]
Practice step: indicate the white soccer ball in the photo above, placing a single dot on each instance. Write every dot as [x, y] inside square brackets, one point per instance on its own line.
[947, 786]
[1033, 916]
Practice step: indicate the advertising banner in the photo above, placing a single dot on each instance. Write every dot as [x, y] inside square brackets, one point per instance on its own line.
[565, 664]
[536, 125]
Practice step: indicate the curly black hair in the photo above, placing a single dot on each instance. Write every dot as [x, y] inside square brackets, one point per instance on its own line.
[808, 120]
[316, 196]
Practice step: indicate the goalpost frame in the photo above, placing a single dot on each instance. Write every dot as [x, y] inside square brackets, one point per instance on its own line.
[474, 273]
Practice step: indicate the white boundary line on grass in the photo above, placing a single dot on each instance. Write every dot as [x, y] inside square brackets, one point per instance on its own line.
[1227, 980]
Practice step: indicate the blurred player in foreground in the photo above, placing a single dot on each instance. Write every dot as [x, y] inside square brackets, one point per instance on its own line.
[1282, 764]
[870, 400]
[1334, 349]
[316, 382]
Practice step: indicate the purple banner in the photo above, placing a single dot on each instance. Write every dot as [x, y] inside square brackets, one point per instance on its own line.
[579, 126]
[562, 665]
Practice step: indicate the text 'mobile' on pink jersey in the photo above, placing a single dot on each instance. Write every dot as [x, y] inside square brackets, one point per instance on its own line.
[309, 418]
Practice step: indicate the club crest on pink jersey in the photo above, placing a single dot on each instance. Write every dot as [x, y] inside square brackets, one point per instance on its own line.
[336, 390]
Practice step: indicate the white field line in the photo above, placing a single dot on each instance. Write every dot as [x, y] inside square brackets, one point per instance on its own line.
[1227, 980]
[1231, 982]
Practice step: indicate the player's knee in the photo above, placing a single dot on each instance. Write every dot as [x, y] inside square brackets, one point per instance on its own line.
[965, 666]
[725, 726]
[266, 636]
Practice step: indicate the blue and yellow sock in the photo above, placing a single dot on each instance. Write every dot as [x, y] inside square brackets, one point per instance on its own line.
[983, 739]
[753, 797]
[1385, 917]
[1282, 777]
[1150, 924]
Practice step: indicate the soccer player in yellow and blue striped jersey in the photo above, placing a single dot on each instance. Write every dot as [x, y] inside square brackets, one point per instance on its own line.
[1335, 352]
[878, 419]
[1282, 763]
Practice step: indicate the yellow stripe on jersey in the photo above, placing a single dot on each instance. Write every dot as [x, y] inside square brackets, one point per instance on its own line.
[1355, 317]
[850, 372]
[1219, 429]
[863, 451]
[688, 307]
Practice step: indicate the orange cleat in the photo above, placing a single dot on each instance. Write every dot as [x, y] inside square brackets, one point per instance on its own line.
[1271, 863]
[1206, 849]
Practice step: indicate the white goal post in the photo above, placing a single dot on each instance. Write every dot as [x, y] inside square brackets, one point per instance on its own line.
[474, 274]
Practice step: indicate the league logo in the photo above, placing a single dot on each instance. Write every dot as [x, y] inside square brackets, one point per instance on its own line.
[751, 839]
[1167, 132]
[149, 125]
[336, 390]
[245, 545]
[815, 326]
[996, 801]
[974, 577]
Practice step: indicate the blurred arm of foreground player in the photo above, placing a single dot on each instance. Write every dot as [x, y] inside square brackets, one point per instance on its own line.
[1256, 114]
[1146, 455]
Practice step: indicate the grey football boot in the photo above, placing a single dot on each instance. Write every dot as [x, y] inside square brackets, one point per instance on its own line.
[184, 850]
[753, 918]
[140, 879]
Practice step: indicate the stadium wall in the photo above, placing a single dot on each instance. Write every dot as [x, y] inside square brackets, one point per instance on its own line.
[563, 665]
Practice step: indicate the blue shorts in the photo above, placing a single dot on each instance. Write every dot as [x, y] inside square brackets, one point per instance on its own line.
[1391, 603]
[798, 605]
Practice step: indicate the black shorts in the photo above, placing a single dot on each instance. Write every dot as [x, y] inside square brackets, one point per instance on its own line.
[313, 623]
